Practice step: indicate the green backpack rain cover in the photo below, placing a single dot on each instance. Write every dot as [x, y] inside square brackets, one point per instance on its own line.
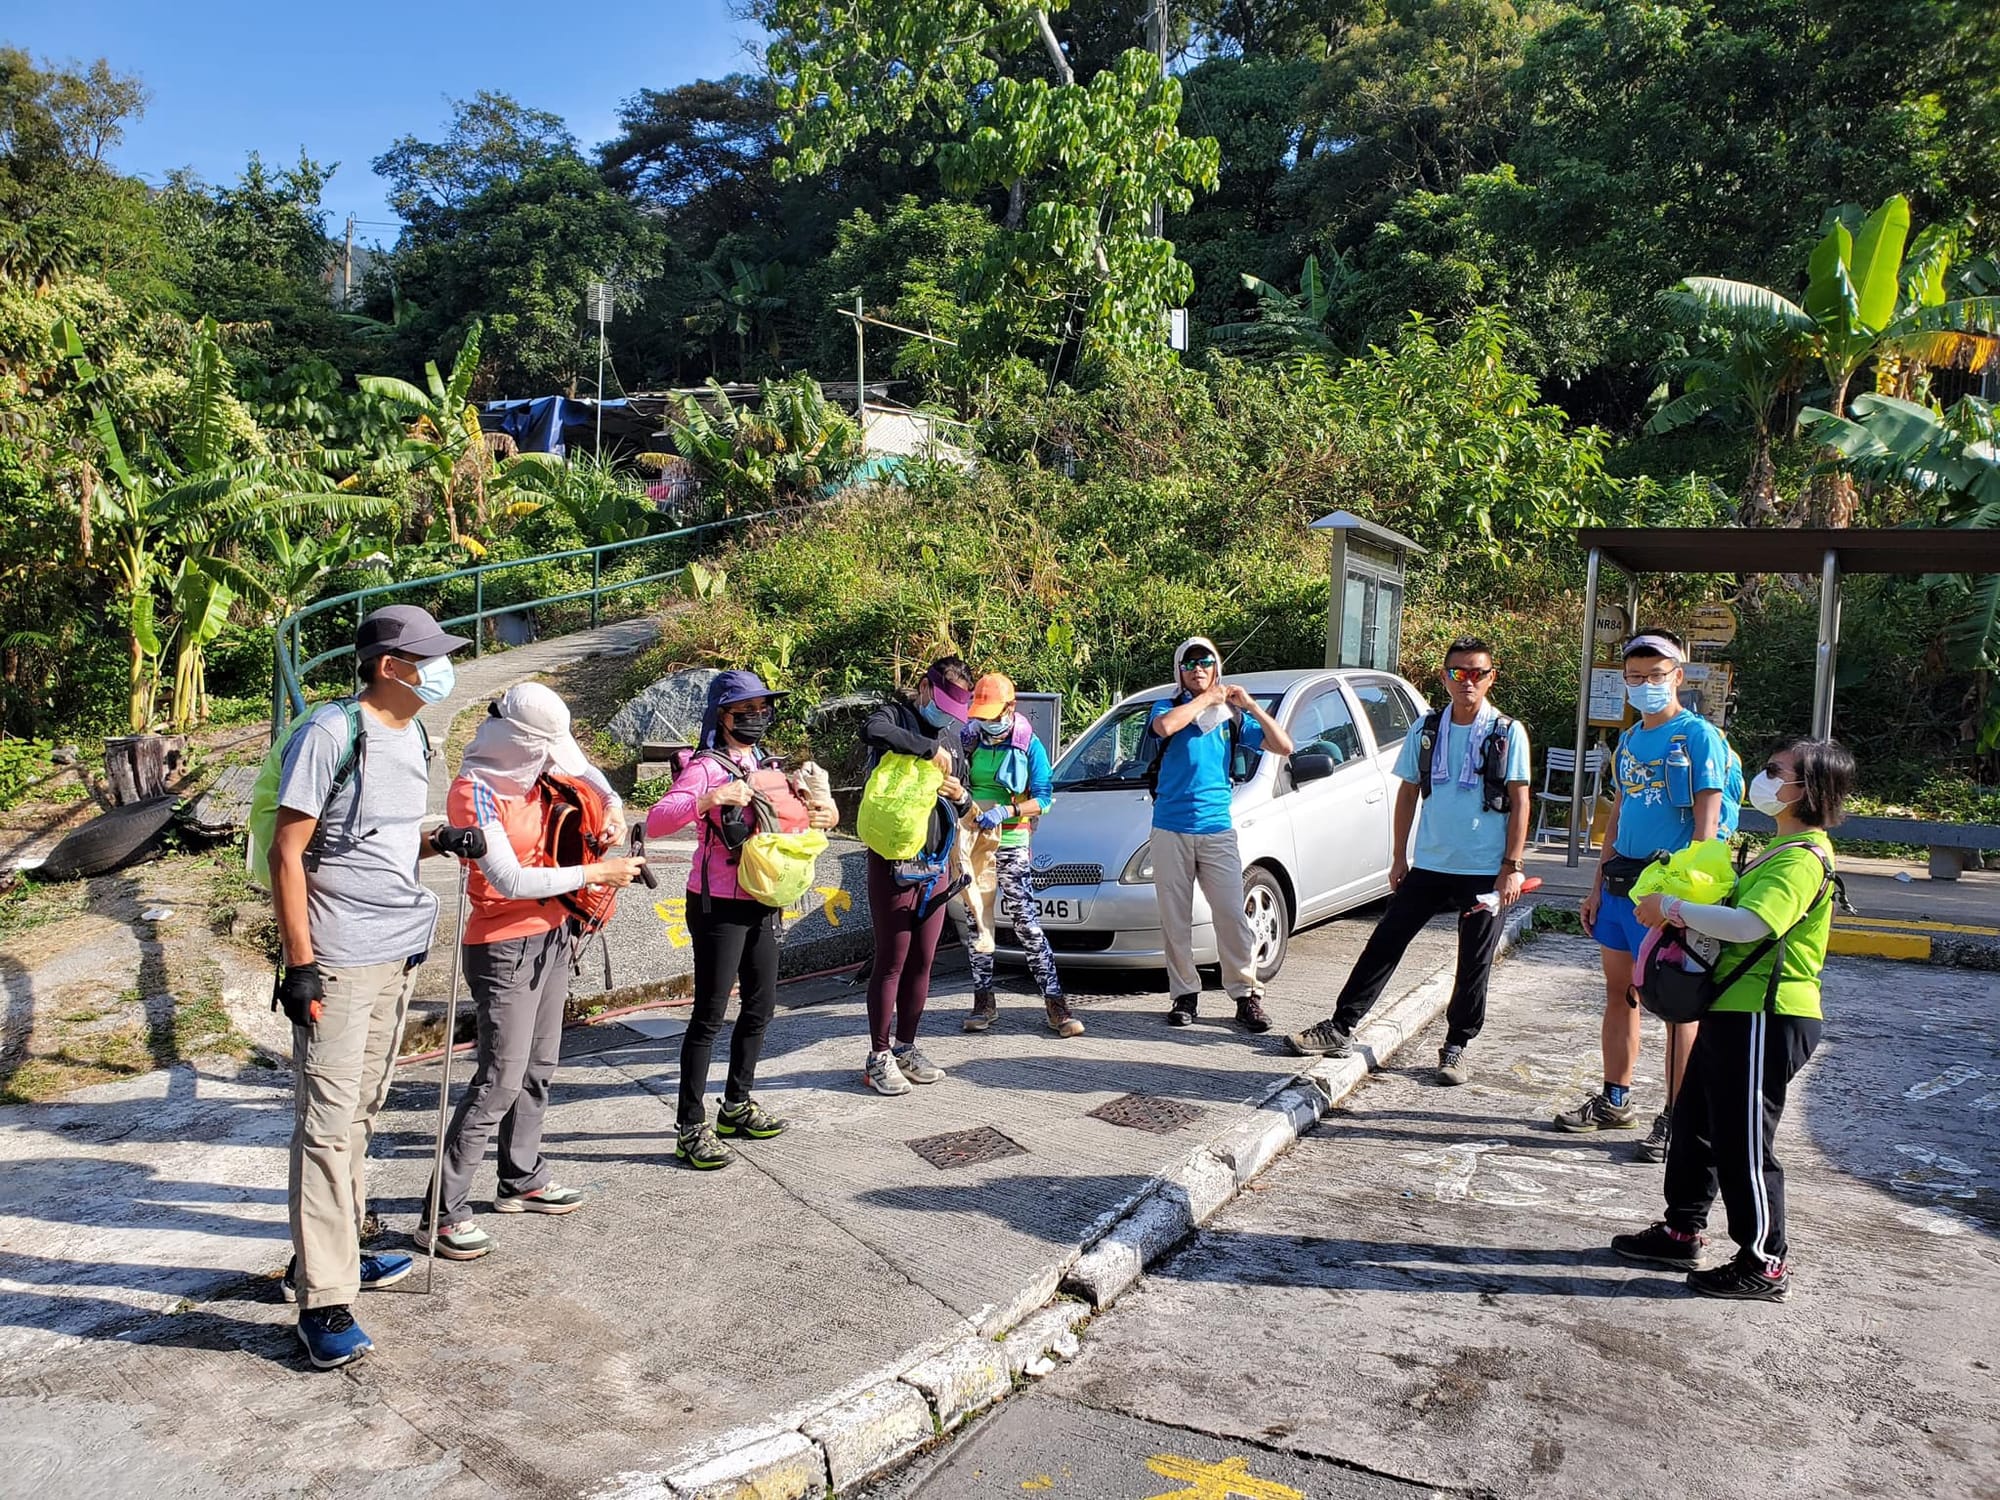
[896, 805]
[263, 824]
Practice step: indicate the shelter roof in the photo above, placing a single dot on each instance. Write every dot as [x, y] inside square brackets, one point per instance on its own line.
[1792, 549]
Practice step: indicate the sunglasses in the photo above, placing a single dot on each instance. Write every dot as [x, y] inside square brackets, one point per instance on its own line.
[1196, 663]
[1468, 674]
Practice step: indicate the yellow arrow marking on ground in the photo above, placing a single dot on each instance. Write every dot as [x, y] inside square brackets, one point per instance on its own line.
[837, 901]
[672, 910]
[1217, 1481]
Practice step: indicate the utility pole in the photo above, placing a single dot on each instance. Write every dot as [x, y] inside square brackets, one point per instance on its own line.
[860, 372]
[347, 268]
[597, 305]
[1156, 39]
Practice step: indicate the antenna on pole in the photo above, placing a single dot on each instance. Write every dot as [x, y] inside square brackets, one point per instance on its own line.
[597, 307]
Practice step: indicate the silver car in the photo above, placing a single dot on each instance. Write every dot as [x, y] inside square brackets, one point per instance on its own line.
[1313, 827]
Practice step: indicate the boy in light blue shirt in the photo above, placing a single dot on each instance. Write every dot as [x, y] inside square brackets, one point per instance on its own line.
[1465, 786]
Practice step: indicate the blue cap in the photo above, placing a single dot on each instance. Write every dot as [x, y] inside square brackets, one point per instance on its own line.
[732, 686]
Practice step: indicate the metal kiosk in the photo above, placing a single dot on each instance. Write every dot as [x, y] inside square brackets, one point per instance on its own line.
[1364, 614]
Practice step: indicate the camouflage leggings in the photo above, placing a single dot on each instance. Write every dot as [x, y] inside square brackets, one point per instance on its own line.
[1017, 900]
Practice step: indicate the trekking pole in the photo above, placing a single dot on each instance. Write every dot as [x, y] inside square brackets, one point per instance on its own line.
[444, 1075]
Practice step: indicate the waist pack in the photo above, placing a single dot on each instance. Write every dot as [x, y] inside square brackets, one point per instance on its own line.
[775, 852]
[1677, 983]
[895, 815]
[1620, 871]
[576, 830]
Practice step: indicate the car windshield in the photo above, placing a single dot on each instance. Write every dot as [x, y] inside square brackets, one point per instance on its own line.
[1110, 755]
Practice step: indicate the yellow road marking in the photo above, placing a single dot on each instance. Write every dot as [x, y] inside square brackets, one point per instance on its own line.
[1218, 1481]
[1039, 1482]
[1915, 924]
[1879, 944]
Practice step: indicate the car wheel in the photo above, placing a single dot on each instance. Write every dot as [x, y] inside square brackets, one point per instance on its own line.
[1270, 918]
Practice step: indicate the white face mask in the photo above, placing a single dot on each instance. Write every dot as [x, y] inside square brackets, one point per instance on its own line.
[1764, 796]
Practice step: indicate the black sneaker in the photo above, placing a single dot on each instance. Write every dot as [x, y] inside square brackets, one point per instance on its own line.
[749, 1119]
[1181, 1013]
[1321, 1039]
[1742, 1280]
[1654, 1146]
[985, 1007]
[1658, 1245]
[1598, 1113]
[698, 1148]
[1250, 1013]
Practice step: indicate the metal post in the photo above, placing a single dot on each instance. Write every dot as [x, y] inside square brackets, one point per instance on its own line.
[860, 372]
[596, 578]
[1829, 645]
[444, 1078]
[478, 611]
[1576, 813]
[1156, 42]
[599, 449]
[1336, 597]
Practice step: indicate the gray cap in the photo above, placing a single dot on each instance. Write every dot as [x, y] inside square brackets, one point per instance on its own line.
[406, 629]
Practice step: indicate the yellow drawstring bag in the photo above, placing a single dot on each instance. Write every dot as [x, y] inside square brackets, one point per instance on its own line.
[1702, 873]
[896, 805]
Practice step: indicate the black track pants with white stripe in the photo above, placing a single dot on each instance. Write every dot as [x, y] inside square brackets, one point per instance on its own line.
[1725, 1120]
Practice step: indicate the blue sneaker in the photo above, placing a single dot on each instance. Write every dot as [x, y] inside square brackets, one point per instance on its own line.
[332, 1337]
[377, 1271]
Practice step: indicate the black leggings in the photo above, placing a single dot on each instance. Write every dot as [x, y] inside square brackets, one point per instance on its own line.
[906, 940]
[735, 941]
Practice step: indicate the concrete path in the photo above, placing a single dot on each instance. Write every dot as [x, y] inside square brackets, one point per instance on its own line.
[1420, 1290]
[143, 1349]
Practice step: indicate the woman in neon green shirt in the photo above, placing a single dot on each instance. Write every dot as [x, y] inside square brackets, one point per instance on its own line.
[1756, 1036]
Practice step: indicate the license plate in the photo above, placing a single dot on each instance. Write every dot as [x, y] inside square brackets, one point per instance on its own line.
[1062, 909]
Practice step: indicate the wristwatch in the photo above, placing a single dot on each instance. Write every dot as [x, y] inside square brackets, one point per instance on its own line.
[1510, 864]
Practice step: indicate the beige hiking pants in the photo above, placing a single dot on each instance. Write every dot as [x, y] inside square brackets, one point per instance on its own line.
[341, 1067]
[1180, 862]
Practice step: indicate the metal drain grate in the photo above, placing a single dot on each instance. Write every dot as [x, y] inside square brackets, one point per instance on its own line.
[965, 1148]
[1147, 1112]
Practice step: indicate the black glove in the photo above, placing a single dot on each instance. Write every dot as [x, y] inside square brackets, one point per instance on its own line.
[298, 993]
[461, 843]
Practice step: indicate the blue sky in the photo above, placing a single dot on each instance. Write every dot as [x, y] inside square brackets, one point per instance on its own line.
[344, 81]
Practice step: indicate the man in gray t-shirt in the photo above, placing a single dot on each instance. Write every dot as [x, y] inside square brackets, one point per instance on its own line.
[354, 922]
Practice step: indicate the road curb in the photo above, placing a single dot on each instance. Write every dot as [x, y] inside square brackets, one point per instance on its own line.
[847, 1440]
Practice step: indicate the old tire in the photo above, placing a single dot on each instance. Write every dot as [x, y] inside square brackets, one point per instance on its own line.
[108, 842]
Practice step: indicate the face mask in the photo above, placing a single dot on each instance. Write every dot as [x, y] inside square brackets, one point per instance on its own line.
[1764, 796]
[1649, 697]
[750, 728]
[936, 717]
[435, 679]
[996, 730]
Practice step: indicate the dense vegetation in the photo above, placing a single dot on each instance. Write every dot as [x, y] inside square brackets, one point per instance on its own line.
[1480, 269]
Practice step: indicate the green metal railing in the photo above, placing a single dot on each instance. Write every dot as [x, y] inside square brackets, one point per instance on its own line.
[289, 674]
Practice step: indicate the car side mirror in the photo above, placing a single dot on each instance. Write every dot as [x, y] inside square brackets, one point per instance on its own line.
[1310, 765]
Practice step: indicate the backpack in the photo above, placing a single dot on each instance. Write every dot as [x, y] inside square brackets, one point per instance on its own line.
[1732, 785]
[935, 869]
[1154, 750]
[770, 842]
[895, 814]
[576, 818]
[1492, 758]
[263, 822]
[1678, 984]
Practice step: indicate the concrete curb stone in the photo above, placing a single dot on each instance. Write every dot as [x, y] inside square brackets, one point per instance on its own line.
[861, 1437]
[1051, 1330]
[971, 1374]
[786, 1466]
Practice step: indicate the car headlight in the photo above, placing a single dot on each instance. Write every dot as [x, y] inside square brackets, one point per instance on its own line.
[1139, 868]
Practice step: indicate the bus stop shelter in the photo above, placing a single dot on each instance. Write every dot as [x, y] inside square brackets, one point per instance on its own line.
[1831, 553]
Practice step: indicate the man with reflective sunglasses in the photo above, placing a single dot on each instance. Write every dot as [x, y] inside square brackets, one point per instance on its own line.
[1203, 730]
[1465, 789]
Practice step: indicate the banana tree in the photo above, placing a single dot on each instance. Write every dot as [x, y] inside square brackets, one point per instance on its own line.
[1739, 377]
[1861, 304]
[443, 443]
[1954, 461]
[1287, 322]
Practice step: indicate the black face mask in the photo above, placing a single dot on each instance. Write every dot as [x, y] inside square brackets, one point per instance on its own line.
[748, 729]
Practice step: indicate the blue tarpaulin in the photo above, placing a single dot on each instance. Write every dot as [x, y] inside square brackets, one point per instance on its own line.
[538, 425]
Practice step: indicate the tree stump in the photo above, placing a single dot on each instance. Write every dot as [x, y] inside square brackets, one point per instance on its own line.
[139, 766]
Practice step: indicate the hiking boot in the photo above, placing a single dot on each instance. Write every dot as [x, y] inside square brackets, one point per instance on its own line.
[985, 1009]
[332, 1337]
[748, 1119]
[1660, 1246]
[461, 1241]
[377, 1271]
[1654, 1146]
[1250, 1012]
[549, 1198]
[1598, 1113]
[1181, 1012]
[1321, 1039]
[1061, 1022]
[883, 1076]
[1452, 1067]
[699, 1149]
[1742, 1280]
[915, 1067]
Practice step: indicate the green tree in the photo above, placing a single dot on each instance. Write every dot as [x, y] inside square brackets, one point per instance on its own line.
[493, 139]
[792, 447]
[442, 445]
[1288, 322]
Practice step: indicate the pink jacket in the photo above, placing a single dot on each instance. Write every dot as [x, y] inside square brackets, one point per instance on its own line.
[676, 811]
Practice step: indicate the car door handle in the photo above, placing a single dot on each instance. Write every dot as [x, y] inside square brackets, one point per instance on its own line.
[1374, 796]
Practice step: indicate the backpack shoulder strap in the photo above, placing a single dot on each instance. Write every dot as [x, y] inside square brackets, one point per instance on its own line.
[351, 762]
[1427, 738]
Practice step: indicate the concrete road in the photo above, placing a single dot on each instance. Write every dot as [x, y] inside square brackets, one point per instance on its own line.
[1420, 1290]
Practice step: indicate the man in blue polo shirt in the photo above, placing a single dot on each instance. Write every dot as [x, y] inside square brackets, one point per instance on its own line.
[1465, 785]
[1211, 734]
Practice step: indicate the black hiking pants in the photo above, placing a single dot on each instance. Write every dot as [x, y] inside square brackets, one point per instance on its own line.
[1421, 896]
[735, 944]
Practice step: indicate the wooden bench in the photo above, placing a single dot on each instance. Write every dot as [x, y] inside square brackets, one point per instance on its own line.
[1951, 845]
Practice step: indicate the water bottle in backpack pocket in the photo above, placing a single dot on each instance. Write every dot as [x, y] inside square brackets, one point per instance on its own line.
[1680, 774]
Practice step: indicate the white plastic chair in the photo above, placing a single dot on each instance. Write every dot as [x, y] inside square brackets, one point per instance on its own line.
[1562, 763]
